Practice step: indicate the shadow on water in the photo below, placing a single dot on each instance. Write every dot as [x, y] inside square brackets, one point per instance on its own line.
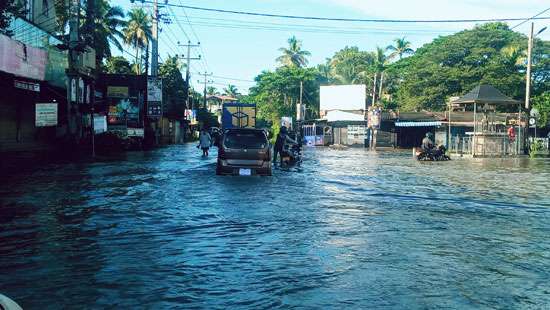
[351, 228]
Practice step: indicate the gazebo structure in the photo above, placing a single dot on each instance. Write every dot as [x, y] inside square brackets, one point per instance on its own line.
[489, 137]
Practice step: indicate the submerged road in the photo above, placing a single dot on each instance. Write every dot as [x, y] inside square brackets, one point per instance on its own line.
[352, 229]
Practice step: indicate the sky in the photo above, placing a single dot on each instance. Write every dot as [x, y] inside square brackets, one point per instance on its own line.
[236, 48]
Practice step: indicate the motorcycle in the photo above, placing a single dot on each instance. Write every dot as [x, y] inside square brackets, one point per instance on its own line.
[435, 154]
[292, 155]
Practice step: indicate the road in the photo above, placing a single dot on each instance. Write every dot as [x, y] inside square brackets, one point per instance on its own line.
[350, 229]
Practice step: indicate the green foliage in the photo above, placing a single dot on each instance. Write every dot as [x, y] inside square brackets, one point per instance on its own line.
[207, 119]
[117, 65]
[351, 66]
[137, 32]
[277, 93]
[293, 56]
[400, 48]
[173, 88]
[535, 148]
[231, 91]
[103, 28]
[542, 104]
[453, 65]
[8, 10]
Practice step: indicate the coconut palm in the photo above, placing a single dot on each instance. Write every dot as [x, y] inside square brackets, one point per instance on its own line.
[231, 91]
[514, 55]
[400, 48]
[104, 29]
[293, 56]
[211, 90]
[137, 32]
[380, 63]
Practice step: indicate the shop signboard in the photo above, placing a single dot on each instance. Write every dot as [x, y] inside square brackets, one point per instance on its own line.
[117, 91]
[27, 85]
[357, 133]
[46, 114]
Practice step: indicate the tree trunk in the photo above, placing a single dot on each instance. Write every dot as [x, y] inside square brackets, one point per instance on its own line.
[374, 88]
[381, 84]
[137, 55]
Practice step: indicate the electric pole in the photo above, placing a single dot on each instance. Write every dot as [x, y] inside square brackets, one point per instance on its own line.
[206, 82]
[187, 72]
[528, 71]
[154, 40]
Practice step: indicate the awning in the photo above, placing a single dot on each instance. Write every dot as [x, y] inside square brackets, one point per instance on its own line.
[417, 124]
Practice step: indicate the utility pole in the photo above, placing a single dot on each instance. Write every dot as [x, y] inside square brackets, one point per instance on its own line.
[154, 40]
[189, 58]
[528, 71]
[206, 82]
[72, 71]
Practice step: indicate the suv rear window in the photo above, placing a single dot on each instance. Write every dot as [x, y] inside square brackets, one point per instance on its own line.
[245, 140]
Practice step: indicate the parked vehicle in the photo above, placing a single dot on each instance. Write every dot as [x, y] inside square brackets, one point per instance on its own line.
[436, 154]
[244, 151]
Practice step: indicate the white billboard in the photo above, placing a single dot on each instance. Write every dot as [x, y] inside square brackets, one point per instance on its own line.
[343, 97]
[46, 114]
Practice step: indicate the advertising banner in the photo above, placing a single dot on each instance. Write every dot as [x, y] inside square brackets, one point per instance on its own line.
[46, 114]
[124, 111]
[100, 123]
[374, 118]
[154, 89]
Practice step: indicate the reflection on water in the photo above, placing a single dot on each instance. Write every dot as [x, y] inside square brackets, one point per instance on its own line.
[352, 229]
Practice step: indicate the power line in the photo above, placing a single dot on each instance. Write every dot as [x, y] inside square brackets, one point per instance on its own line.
[196, 37]
[533, 17]
[348, 19]
[312, 26]
[330, 31]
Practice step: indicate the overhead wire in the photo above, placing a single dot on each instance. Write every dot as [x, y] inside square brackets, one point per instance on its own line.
[203, 58]
[530, 18]
[346, 19]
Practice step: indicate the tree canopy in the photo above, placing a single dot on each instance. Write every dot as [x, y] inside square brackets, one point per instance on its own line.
[452, 65]
[294, 55]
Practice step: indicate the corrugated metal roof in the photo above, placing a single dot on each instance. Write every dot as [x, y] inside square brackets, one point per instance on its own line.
[417, 124]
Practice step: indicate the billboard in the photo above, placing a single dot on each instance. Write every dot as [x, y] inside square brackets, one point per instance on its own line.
[46, 114]
[343, 97]
[154, 89]
[238, 115]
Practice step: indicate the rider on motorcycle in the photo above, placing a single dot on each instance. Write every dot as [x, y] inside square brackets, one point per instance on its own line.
[427, 143]
[282, 139]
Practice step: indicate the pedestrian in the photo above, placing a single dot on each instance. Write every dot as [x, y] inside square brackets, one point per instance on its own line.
[511, 134]
[205, 141]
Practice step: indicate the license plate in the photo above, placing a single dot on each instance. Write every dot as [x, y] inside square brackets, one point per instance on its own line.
[286, 158]
[245, 172]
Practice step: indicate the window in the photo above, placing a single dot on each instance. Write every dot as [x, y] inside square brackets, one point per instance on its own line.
[245, 140]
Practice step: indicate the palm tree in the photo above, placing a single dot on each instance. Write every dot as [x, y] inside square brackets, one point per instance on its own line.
[400, 48]
[514, 55]
[103, 30]
[211, 90]
[293, 56]
[231, 91]
[137, 32]
[380, 62]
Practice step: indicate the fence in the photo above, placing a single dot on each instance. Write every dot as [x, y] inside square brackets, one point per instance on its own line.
[495, 146]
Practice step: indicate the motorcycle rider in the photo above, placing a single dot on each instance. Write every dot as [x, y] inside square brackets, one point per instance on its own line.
[282, 138]
[427, 143]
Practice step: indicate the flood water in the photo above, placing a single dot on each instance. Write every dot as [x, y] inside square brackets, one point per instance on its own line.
[351, 229]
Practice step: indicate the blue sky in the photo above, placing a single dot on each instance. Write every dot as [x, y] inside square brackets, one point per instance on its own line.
[240, 47]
